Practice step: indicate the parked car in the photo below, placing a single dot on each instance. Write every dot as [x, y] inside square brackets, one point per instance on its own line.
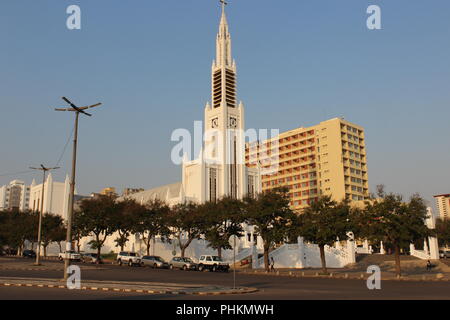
[154, 262]
[29, 254]
[444, 254]
[73, 255]
[11, 251]
[91, 258]
[182, 263]
[131, 258]
[212, 263]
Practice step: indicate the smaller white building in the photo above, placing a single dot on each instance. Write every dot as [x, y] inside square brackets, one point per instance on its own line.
[15, 195]
[56, 196]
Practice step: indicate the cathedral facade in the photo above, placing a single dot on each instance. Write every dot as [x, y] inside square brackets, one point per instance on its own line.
[220, 168]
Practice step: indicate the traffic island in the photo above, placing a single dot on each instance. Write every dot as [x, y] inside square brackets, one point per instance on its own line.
[129, 287]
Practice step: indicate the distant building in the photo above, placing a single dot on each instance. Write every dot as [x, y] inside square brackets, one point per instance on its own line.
[15, 196]
[443, 205]
[56, 196]
[110, 191]
[325, 159]
[130, 191]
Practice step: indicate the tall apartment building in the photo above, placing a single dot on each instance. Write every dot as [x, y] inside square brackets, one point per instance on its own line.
[326, 159]
[15, 196]
[443, 205]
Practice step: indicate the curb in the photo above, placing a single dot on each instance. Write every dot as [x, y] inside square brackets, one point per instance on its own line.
[42, 269]
[128, 290]
[346, 276]
[31, 269]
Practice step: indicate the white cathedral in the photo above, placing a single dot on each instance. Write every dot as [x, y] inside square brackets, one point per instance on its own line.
[220, 169]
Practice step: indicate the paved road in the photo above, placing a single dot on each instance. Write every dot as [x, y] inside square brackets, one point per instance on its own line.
[271, 287]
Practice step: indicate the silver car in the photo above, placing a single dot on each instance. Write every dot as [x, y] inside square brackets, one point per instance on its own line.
[182, 263]
[444, 254]
[91, 258]
[154, 262]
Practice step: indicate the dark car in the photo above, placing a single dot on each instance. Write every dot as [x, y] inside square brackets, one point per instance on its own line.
[29, 254]
[11, 252]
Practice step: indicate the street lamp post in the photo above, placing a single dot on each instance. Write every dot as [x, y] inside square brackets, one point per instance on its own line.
[77, 110]
[41, 211]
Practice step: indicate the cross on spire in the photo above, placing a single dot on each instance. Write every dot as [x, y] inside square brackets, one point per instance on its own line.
[224, 3]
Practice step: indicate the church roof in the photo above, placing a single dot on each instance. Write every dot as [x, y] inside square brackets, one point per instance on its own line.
[165, 192]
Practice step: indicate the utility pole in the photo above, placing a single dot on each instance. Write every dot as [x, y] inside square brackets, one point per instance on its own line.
[77, 111]
[41, 212]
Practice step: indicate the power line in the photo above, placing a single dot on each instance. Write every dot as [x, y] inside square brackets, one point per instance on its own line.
[65, 148]
[15, 173]
[56, 165]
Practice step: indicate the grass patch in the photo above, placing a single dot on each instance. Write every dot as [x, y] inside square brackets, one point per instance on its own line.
[109, 256]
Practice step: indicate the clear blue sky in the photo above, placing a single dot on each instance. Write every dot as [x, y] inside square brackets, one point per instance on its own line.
[299, 63]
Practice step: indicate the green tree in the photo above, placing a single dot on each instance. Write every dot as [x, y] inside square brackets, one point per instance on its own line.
[186, 223]
[3, 229]
[97, 215]
[59, 235]
[125, 220]
[52, 225]
[270, 214]
[79, 228]
[443, 232]
[323, 222]
[152, 222]
[393, 221]
[20, 227]
[223, 219]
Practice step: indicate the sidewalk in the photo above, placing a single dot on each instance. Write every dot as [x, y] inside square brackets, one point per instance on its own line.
[413, 269]
[121, 286]
[12, 263]
[347, 274]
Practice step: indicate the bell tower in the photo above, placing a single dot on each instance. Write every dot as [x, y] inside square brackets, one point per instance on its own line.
[224, 122]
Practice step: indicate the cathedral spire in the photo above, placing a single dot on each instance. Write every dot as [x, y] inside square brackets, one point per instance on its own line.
[224, 68]
[223, 45]
[223, 20]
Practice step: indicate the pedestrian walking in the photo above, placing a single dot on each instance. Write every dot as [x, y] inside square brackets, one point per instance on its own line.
[272, 264]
